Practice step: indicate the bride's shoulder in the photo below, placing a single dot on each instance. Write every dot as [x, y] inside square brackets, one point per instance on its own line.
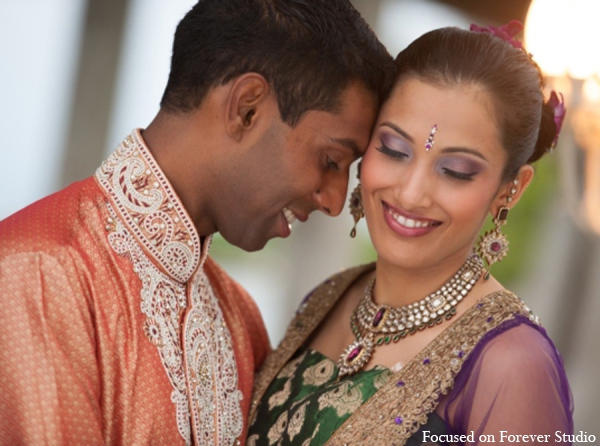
[338, 283]
[518, 346]
[348, 275]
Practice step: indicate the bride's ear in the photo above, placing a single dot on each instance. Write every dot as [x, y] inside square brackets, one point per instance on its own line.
[511, 192]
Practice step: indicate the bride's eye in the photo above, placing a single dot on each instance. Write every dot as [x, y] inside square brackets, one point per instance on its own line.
[459, 168]
[391, 152]
[459, 175]
[394, 147]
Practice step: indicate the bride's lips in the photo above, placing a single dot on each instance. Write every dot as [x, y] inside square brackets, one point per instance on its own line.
[406, 224]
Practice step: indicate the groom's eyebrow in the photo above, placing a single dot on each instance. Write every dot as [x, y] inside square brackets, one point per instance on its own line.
[398, 130]
[350, 144]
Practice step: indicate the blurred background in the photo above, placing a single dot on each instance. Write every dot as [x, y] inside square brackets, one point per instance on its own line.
[76, 76]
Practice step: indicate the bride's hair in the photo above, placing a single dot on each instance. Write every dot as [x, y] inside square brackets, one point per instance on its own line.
[452, 56]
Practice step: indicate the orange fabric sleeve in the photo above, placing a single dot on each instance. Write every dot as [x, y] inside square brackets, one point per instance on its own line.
[48, 369]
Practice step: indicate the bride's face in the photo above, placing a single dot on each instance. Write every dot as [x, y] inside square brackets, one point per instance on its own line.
[426, 207]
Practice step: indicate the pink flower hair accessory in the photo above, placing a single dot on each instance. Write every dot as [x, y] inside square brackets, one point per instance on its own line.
[505, 32]
[558, 105]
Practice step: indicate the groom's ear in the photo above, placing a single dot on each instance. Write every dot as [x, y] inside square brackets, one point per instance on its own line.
[245, 103]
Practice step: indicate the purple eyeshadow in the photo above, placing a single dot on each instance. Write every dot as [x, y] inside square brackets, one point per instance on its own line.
[461, 165]
[395, 143]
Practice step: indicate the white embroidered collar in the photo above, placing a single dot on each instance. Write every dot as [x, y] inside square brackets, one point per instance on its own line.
[147, 204]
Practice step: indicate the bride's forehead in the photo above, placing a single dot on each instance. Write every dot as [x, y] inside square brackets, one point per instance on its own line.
[417, 89]
[461, 106]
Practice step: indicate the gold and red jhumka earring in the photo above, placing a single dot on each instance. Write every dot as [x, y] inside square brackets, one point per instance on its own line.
[493, 245]
[356, 207]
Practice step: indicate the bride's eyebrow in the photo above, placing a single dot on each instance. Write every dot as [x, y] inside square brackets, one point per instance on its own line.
[464, 150]
[398, 130]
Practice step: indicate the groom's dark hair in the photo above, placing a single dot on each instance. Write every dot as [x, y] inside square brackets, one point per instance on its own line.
[308, 50]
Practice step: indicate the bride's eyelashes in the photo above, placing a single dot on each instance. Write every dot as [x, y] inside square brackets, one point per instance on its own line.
[459, 175]
[396, 154]
[393, 146]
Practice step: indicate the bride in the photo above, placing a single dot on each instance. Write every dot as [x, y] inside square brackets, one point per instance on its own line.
[425, 345]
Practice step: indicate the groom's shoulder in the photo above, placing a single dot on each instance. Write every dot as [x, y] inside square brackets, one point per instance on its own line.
[53, 221]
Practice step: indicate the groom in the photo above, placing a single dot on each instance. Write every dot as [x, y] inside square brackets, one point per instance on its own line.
[115, 325]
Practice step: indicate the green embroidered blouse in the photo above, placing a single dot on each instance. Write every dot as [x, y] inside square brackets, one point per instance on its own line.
[307, 403]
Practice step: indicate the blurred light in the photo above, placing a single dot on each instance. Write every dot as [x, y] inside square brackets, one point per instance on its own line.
[563, 36]
[591, 90]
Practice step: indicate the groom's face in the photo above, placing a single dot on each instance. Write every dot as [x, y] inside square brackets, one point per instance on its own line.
[297, 170]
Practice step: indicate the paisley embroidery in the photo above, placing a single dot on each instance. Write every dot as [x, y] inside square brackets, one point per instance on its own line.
[297, 421]
[278, 398]
[319, 374]
[149, 225]
[163, 301]
[211, 367]
[345, 399]
[278, 428]
[145, 200]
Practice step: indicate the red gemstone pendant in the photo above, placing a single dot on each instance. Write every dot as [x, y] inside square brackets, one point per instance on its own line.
[354, 353]
[355, 356]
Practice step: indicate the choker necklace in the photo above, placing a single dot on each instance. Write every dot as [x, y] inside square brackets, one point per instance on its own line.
[373, 325]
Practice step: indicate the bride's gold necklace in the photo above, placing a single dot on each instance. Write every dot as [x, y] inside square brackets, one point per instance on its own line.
[374, 325]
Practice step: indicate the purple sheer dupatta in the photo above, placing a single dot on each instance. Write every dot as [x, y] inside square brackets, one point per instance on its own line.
[513, 383]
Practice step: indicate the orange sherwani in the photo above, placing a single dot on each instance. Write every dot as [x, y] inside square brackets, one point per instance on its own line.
[115, 326]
